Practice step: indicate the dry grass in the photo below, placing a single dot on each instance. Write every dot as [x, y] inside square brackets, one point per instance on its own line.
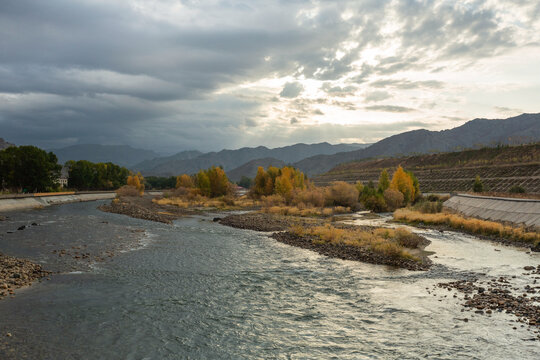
[305, 211]
[381, 241]
[223, 202]
[128, 190]
[472, 225]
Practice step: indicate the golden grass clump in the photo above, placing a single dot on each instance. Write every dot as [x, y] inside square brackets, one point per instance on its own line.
[476, 226]
[381, 241]
[223, 202]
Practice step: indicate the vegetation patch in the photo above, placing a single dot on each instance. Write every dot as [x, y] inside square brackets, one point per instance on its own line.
[471, 225]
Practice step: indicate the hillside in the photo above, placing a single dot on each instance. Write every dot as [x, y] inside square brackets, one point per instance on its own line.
[521, 129]
[249, 169]
[119, 154]
[231, 159]
[500, 168]
[4, 144]
[146, 165]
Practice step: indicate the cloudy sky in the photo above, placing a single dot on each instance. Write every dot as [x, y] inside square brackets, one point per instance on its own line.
[172, 75]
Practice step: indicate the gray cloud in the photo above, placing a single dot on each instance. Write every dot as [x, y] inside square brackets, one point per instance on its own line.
[291, 90]
[389, 108]
[115, 72]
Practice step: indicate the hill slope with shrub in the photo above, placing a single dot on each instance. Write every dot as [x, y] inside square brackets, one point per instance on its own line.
[521, 129]
[500, 169]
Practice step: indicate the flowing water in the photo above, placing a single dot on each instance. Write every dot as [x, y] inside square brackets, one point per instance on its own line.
[200, 290]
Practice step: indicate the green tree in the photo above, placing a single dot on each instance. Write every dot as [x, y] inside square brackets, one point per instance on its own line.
[245, 182]
[28, 168]
[384, 181]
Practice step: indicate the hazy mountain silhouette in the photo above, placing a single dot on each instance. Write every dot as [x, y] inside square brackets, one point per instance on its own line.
[521, 129]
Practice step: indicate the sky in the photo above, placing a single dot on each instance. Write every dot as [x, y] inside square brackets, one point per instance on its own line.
[178, 75]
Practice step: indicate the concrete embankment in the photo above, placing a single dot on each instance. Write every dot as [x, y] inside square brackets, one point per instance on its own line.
[517, 211]
[34, 202]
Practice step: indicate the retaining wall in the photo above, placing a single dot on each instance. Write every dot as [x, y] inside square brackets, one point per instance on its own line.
[34, 202]
[517, 211]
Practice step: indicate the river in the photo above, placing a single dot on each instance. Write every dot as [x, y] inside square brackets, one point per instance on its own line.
[200, 290]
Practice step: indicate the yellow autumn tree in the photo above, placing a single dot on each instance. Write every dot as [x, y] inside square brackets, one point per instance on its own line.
[402, 182]
[184, 181]
[137, 181]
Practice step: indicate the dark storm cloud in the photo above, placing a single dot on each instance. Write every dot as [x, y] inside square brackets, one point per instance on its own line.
[116, 72]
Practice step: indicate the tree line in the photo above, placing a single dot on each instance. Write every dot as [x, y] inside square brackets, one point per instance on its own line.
[31, 169]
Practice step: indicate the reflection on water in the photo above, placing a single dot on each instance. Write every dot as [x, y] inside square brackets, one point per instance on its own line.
[202, 290]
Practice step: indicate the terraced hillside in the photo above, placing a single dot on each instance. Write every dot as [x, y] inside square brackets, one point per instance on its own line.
[500, 169]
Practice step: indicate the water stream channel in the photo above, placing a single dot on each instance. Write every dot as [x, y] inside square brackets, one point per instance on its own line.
[200, 290]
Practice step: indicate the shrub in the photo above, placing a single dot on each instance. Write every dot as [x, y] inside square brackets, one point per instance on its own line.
[428, 207]
[375, 203]
[341, 193]
[313, 196]
[516, 189]
[393, 198]
[273, 200]
[406, 238]
[477, 185]
[128, 190]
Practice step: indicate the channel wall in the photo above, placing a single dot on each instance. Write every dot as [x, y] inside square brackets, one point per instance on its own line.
[517, 211]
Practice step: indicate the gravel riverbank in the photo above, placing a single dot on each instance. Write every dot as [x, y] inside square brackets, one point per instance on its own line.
[142, 207]
[16, 273]
[279, 224]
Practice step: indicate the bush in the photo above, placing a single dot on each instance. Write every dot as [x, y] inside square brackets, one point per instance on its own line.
[128, 190]
[393, 198]
[406, 238]
[477, 185]
[375, 203]
[341, 193]
[429, 207]
[309, 197]
[273, 200]
[516, 189]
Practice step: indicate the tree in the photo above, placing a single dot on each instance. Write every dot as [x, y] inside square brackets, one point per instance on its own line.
[137, 181]
[245, 182]
[219, 183]
[184, 181]
[402, 182]
[384, 181]
[477, 185]
[28, 168]
[86, 175]
[203, 183]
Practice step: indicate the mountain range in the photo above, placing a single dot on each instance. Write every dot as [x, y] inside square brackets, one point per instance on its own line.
[313, 159]
[123, 155]
[521, 129]
[231, 159]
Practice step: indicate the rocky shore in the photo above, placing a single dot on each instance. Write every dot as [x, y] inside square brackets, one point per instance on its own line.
[279, 224]
[16, 273]
[142, 207]
[488, 296]
[348, 252]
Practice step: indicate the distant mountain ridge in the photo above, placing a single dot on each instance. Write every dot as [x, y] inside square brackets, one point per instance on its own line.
[230, 159]
[520, 129]
[123, 155]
